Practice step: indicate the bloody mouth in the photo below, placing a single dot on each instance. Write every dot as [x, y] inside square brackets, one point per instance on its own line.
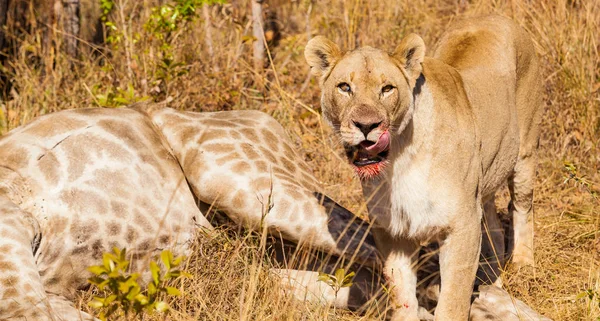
[369, 158]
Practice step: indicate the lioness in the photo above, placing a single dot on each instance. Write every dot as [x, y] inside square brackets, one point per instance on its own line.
[433, 139]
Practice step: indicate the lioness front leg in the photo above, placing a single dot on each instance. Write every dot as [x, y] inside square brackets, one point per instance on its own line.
[400, 258]
[459, 257]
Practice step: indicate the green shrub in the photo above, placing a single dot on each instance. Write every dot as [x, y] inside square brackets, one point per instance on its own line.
[122, 295]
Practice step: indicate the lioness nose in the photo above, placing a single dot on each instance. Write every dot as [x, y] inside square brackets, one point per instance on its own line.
[367, 126]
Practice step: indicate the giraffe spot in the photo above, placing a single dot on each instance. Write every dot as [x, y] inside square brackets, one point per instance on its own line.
[246, 122]
[80, 250]
[114, 182]
[194, 163]
[84, 201]
[261, 166]
[125, 131]
[9, 293]
[175, 118]
[268, 155]
[289, 151]
[238, 201]
[250, 134]
[289, 166]
[13, 306]
[9, 281]
[282, 206]
[241, 167]
[49, 166]
[6, 248]
[113, 228]
[227, 158]
[219, 148]
[14, 157]
[261, 184]
[164, 240]
[249, 151]
[144, 246]
[234, 134]
[143, 222]
[74, 157]
[119, 209]
[294, 194]
[220, 115]
[97, 249]
[83, 230]
[282, 173]
[58, 224]
[211, 134]
[271, 139]
[27, 287]
[131, 234]
[88, 111]
[220, 123]
[307, 208]
[188, 133]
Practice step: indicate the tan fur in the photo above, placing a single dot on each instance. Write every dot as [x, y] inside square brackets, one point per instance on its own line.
[461, 122]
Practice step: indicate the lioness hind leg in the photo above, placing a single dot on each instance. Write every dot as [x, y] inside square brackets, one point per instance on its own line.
[520, 184]
[492, 256]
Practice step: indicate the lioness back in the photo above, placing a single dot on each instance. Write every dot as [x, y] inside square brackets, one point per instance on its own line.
[497, 62]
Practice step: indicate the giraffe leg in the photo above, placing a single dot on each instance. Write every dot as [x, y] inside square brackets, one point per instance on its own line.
[22, 295]
[299, 271]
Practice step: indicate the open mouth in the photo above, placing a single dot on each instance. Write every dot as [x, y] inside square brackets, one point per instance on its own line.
[369, 158]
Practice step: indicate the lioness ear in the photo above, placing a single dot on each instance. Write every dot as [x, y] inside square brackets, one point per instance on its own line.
[410, 53]
[321, 54]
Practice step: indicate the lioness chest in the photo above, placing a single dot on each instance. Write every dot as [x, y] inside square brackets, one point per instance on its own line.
[406, 202]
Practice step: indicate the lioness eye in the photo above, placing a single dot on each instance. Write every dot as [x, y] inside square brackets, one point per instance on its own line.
[387, 89]
[344, 87]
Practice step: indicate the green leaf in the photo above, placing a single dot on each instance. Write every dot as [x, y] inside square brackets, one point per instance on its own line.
[142, 299]
[155, 270]
[110, 299]
[97, 269]
[95, 304]
[166, 257]
[161, 306]
[323, 277]
[173, 291]
[96, 280]
[151, 288]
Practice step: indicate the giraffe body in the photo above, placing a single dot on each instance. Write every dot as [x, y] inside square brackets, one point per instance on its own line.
[93, 179]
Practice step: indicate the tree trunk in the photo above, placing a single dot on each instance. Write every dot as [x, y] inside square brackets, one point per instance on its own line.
[3, 11]
[208, 30]
[71, 26]
[259, 36]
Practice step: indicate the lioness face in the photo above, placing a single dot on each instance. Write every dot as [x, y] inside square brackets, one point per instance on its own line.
[367, 96]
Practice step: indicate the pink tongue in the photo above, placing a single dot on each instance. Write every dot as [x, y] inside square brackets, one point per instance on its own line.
[382, 144]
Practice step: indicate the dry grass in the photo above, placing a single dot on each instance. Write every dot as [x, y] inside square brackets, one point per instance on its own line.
[231, 280]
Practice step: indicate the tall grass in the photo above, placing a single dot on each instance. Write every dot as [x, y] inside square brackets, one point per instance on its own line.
[231, 280]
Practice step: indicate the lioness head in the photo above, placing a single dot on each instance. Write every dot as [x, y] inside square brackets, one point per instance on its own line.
[367, 95]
